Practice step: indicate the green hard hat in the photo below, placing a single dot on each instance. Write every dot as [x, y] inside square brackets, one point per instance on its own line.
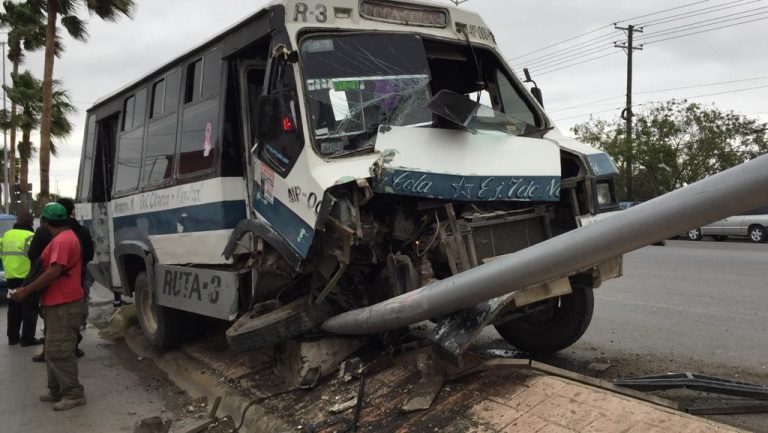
[55, 212]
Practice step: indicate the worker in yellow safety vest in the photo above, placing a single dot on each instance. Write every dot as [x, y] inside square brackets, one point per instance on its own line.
[14, 246]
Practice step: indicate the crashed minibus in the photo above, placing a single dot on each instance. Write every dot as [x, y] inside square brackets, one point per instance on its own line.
[322, 156]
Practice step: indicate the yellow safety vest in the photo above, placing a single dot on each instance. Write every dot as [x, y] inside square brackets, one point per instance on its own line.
[14, 247]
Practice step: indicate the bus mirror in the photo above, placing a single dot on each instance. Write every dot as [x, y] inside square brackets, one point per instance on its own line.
[536, 92]
[267, 118]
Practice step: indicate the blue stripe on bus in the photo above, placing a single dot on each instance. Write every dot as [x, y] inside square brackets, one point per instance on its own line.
[294, 229]
[200, 218]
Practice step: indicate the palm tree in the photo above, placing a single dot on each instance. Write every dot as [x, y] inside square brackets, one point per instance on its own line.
[108, 10]
[27, 93]
[26, 32]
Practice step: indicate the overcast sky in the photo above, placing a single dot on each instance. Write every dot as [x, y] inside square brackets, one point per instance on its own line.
[117, 54]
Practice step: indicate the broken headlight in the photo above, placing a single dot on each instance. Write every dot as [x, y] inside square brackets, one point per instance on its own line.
[604, 194]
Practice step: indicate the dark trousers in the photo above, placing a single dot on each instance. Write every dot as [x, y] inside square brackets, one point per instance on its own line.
[22, 316]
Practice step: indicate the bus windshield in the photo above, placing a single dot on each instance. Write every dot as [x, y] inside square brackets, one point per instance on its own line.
[358, 82]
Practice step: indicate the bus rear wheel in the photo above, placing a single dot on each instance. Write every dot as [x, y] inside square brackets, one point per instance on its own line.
[557, 324]
[162, 326]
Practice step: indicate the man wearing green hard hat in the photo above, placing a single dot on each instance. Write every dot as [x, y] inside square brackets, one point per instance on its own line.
[62, 301]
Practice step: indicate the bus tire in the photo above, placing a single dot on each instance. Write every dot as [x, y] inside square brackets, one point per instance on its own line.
[162, 326]
[552, 329]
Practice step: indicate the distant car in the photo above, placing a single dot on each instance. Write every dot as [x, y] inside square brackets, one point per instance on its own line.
[751, 224]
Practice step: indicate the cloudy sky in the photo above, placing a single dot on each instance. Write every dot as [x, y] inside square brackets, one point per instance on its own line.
[710, 67]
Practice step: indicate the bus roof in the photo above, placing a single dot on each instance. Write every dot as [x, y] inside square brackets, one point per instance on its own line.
[452, 11]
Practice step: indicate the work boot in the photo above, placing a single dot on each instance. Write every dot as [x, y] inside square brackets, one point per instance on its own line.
[50, 398]
[40, 357]
[32, 342]
[67, 404]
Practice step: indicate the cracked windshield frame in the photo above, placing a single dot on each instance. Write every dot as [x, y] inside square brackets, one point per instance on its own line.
[360, 81]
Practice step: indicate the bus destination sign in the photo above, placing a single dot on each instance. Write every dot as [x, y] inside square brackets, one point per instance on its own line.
[404, 14]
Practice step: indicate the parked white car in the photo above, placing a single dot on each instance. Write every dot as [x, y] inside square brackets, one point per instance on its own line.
[751, 224]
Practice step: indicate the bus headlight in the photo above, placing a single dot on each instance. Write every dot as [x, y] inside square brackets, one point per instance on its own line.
[604, 194]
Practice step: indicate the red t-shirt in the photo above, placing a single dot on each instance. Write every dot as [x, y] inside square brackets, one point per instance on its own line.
[63, 250]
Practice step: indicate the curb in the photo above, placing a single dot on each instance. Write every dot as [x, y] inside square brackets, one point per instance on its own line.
[200, 381]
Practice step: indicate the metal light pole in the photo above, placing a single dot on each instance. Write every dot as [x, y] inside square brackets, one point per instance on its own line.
[6, 193]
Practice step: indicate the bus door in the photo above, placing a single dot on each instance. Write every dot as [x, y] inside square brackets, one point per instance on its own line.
[102, 268]
[251, 76]
[281, 181]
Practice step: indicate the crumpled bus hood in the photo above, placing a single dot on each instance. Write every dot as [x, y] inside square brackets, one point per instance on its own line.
[459, 165]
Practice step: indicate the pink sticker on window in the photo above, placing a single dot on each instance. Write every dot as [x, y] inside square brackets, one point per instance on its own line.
[207, 146]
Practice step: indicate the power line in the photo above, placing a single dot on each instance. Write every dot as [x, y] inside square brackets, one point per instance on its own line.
[655, 39]
[577, 63]
[646, 42]
[728, 92]
[646, 92]
[581, 35]
[586, 47]
[588, 42]
[604, 27]
[565, 57]
[709, 22]
[561, 42]
[569, 57]
[555, 109]
[697, 12]
[702, 85]
[662, 11]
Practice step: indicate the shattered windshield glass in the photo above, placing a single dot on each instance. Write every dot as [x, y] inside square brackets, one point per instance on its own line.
[475, 116]
[357, 83]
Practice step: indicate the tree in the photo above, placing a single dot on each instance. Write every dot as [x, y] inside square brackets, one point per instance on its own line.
[108, 10]
[676, 143]
[26, 32]
[27, 93]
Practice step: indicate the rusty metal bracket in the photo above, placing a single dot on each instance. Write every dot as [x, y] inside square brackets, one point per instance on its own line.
[331, 284]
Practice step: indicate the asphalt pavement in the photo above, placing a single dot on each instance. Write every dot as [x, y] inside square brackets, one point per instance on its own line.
[706, 300]
[117, 396]
[689, 306]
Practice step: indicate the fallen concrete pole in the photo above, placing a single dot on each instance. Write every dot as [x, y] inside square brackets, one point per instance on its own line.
[728, 193]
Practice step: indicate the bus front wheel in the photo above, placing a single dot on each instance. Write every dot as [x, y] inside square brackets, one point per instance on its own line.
[162, 326]
[556, 323]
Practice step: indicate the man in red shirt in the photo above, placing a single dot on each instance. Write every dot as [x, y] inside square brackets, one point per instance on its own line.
[62, 306]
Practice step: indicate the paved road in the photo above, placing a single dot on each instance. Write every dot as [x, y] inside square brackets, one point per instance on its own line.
[689, 306]
[691, 300]
[705, 300]
[117, 396]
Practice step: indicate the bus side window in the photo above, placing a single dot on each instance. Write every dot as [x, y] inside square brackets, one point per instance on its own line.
[160, 149]
[129, 144]
[200, 114]
[281, 152]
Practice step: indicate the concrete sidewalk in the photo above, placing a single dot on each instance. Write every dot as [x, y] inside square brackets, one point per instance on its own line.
[493, 401]
[116, 397]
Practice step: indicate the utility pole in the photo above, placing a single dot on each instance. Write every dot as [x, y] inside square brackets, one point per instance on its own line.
[627, 113]
[6, 193]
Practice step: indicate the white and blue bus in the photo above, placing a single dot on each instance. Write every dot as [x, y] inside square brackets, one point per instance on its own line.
[324, 155]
